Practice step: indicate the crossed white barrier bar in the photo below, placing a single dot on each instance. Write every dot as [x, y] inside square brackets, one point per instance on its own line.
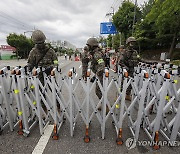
[25, 101]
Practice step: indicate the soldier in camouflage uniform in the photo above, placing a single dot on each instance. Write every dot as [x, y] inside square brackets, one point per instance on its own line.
[119, 54]
[41, 55]
[97, 62]
[85, 61]
[129, 60]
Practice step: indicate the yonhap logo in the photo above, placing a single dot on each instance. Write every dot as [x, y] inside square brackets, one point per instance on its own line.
[130, 143]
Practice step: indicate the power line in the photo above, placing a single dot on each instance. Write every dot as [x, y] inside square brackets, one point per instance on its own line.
[10, 24]
[114, 6]
[13, 20]
[118, 5]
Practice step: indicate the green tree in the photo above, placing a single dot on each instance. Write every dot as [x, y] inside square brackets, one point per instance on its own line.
[109, 41]
[146, 8]
[146, 35]
[123, 18]
[70, 52]
[116, 40]
[103, 41]
[22, 44]
[166, 16]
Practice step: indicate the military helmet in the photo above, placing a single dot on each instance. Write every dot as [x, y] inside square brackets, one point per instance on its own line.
[38, 37]
[92, 42]
[86, 48]
[121, 47]
[130, 39]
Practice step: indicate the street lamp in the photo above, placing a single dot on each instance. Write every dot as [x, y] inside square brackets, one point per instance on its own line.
[30, 31]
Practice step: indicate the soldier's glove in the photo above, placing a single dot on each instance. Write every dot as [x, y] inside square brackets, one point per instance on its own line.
[93, 79]
[48, 70]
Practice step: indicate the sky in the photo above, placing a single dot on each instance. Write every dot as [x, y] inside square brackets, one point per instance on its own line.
[71, 20]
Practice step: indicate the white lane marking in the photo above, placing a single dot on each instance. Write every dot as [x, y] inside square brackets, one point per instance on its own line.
[80, 66]
[43, 140]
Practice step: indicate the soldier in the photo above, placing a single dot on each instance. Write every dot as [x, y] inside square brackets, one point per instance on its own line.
[85, 61]
[129, 60]
[41, 55]
[107, 58]
[97, 62]
[119, 54]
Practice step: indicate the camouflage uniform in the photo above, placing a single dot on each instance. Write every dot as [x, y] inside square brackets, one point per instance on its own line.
[43, 56]
[48, 60]
[85, 61]
[119, 54]
[97, 62]
[129, 60]
[107, 59]
[98, 66]
[37, 58]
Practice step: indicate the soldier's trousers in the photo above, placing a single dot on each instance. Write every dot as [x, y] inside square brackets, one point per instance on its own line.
[130, 73]
[84, 72]
[98, 90]
[41, 78]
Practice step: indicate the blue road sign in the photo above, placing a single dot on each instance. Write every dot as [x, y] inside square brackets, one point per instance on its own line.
[107, 28]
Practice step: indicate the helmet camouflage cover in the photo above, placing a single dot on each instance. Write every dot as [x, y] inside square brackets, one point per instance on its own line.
[130, 39]
[38, 36]
[86, 48]
[92, 42]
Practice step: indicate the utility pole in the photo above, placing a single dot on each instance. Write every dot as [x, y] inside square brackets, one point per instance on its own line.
[134, 17]
[111, 14]
[113, 34]
[120, 38]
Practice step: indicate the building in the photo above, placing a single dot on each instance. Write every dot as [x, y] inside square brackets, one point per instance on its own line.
[7, 52]
[68, 45]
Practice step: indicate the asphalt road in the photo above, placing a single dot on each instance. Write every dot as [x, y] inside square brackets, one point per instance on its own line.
[11, 142]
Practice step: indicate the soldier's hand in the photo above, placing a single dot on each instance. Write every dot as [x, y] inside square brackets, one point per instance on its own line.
[48, 70]
[90, 56]
[93, 79]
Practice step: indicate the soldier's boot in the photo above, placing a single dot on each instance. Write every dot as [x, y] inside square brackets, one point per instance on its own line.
[107, 109]
[58, 108]
[46, 112]
[151, 109]
[85, 78]
[128, 97]
[99, 108]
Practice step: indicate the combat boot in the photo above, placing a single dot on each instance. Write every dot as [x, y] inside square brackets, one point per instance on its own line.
[128, 97]
[107, 109]
[45, 112]
[58, 109]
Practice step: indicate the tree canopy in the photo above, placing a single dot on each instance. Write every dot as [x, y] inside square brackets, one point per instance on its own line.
[22, 44]
[156, 26]
[123, 18]
[166, 16]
